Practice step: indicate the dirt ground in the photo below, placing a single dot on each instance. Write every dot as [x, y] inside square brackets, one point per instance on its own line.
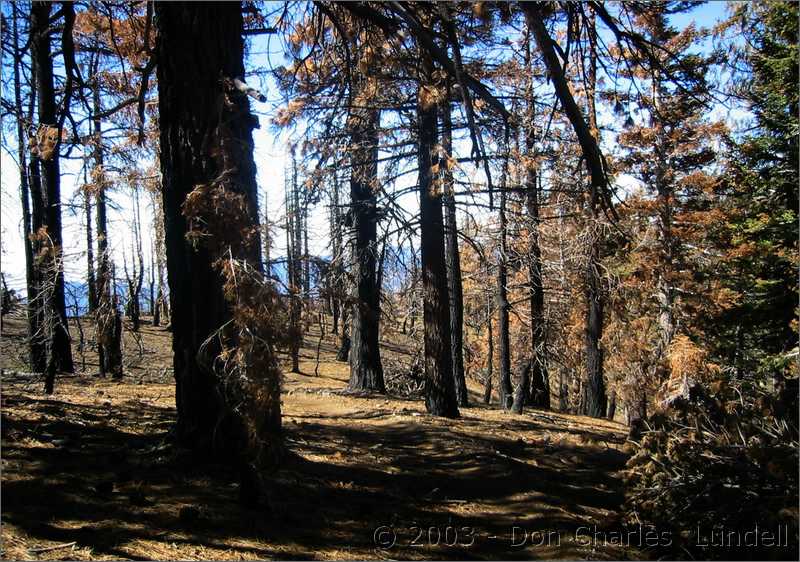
[91, 473]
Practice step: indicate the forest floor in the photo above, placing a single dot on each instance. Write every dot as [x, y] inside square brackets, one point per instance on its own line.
[90, 472]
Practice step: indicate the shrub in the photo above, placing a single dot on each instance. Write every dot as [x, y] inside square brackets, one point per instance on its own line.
[719, 459]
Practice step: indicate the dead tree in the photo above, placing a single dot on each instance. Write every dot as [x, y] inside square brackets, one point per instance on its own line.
[534, 388]
[36, 349]
[228, 403]
[48, 141]
[503, 306]
[366, 370]
[293, 242]
[453, 258]
[109, 341]
[440, 393]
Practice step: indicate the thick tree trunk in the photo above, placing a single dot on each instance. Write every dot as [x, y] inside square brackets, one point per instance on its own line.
[521, 394]
[206, 140]
[637, 414]
[540, 388]
[440, 394]
[50, 177]
[366, 370]
[453, 263]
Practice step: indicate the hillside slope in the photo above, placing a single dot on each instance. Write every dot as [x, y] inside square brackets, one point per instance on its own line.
[92, 472]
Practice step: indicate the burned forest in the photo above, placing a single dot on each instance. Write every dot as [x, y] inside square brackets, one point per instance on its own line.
[399, 280]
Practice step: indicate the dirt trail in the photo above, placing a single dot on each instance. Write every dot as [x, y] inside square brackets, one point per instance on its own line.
[93, 465]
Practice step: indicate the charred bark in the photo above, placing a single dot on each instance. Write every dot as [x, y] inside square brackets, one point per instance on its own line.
[366, 369]
[37, 354]
[440, 394]
[206, 139]
[52, 274]
[453, 263]
[503, 307]
[595, 401]
[109, 340]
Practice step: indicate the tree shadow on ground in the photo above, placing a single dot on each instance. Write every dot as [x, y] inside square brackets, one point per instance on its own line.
[110, 478]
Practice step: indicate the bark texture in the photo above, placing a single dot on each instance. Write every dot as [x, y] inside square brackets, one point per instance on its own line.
[206, 135]
[453, 263]
[440, 394]
[366, 369]
[52, 270]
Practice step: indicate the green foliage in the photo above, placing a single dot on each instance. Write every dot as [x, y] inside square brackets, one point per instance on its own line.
[762, 184]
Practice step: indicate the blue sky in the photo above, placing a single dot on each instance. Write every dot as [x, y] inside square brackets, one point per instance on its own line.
[270, 156]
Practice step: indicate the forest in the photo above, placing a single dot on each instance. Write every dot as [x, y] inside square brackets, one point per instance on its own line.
[399, 280]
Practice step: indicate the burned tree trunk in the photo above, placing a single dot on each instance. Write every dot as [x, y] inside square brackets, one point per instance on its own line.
[440, 394]
[538, 393]
[109, 341]
[453, 262]
[90, 277]
[366, 370]
[113, 349]
[293, 256]
[48, 142]
[336, 271]
[159, 311]
[207, 157]
[345, 343]
[487, 390]
[503, 307]
[595, 391]
[36, 350]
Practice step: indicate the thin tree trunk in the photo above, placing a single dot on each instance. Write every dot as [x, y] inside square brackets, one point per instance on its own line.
[538, 394]
[453, 261]
[36, 348]
[306, 260]
[267, 237]
[109, 345]
[160, 313]
[440, 394]
[487, 392]
[90, 278]
[138, 268]
[665, 292]
[344, 340]
[155, 305]
[336, 269]
[293, 255]
[506, 390]
[594, 390]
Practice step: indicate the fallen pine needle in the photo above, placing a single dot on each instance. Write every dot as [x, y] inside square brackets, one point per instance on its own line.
[54, 547]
